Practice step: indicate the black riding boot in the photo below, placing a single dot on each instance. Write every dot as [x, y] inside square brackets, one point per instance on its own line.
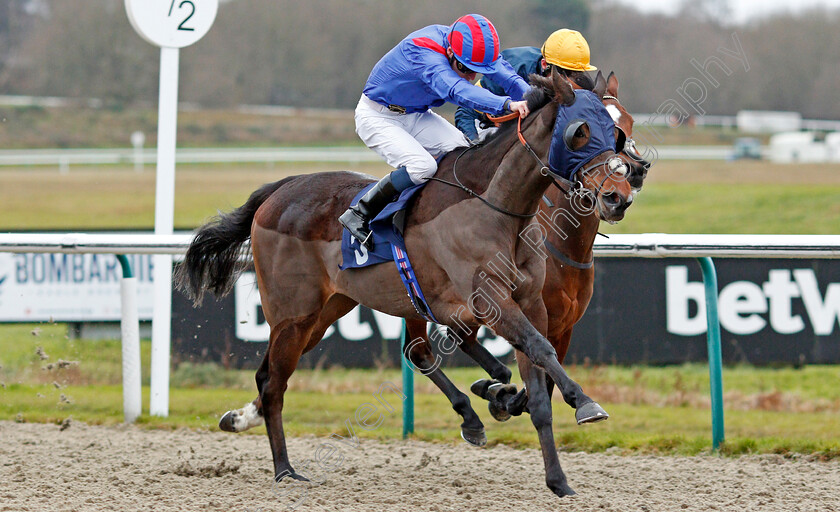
[357, 217]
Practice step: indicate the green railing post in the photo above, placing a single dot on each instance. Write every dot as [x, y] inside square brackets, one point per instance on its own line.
[408, 386]
[125, 264]
[713, 342]
[130, 341]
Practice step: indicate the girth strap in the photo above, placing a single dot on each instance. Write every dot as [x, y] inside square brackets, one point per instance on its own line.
[565, 259]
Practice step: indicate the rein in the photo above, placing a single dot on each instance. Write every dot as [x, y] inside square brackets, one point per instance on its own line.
[556, 179]
[471, 192]
[458, 184]
[571, 187]
[566, 186]
[544, 170]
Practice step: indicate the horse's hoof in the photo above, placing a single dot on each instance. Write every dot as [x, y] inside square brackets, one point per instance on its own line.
[227, 421]
[474, 437]
[590, 412]
[479, 387]
[562, 490]
[518, 404]
[498, 391]
[498, 412]
[290, 474]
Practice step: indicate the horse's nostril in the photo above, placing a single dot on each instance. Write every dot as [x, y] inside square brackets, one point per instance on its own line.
[611, 198]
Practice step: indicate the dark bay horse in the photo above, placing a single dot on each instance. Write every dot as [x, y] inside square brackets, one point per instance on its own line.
[570, 272]
[562, 280]
[569, 237]
[470, 260]
[566, 292]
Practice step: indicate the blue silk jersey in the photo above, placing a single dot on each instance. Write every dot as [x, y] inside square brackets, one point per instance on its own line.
[524, 60]
[416, 75]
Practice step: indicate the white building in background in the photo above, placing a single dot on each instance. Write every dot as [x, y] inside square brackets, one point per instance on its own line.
[803, 147]
[832, 143]
[768, 121]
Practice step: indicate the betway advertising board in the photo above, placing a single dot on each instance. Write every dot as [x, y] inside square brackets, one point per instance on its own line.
[69, 287]
[654, 311]
[643, 311]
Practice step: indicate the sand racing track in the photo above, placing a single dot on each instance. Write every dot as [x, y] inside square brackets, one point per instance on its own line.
[81, 468]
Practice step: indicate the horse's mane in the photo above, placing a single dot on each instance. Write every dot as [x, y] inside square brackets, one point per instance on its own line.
[476, 170]
[540, 95]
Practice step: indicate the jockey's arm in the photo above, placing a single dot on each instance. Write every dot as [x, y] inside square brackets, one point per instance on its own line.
[465, 119]
[514, 85]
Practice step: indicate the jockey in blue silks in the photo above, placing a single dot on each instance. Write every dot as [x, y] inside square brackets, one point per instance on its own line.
[565, 50]
[431, 66]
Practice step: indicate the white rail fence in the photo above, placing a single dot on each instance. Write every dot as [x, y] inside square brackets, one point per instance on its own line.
[649, 245]
[64, 158]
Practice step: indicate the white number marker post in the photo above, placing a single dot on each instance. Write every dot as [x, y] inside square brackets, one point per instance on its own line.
[170, 24]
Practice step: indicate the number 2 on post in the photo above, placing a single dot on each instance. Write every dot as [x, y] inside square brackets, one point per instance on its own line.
[192, 5]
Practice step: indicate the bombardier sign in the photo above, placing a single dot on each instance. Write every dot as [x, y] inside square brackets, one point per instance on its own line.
[69, 287]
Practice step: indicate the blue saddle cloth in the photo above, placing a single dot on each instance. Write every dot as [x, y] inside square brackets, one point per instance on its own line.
[388, 245]
[356, 255]
[385, 233]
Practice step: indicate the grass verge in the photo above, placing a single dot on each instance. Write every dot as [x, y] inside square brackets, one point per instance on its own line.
[654, 409]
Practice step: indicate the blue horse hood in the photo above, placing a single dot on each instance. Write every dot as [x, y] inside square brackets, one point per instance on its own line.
[587, 107]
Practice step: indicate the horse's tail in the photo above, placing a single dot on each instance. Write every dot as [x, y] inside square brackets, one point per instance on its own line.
[214, 258]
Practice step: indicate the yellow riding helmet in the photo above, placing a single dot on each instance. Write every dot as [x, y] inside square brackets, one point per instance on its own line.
[567, 49]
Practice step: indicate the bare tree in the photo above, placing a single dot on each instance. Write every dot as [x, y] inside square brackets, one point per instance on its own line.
[318, 53]
[16, 17]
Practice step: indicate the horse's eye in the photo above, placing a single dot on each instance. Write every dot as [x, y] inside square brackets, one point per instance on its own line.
[577, 134]
[620, 139]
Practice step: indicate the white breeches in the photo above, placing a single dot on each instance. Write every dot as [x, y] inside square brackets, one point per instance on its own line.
[407, 140]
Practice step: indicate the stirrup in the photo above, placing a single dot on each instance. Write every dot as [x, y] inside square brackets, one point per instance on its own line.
[354, 222]
[368, 241]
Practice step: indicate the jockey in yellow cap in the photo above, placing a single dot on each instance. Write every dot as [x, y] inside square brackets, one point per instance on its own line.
[565, 50]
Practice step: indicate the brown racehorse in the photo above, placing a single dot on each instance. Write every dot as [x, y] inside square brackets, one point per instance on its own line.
[565, 278]
[465, 255]
[570, 272]
[567, 290]
[562, 279]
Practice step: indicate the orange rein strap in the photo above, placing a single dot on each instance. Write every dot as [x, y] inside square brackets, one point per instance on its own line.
[544, 169]
[502, 119]
[523, 141]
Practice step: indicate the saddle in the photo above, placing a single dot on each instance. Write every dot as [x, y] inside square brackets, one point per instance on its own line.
[388, 245]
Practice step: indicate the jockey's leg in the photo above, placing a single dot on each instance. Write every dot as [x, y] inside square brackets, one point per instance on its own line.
[357, 217]
[438, 136]
[391, 135]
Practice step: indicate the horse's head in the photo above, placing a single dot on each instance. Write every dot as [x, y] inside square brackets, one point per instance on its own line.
[624, 143]
[582, 151]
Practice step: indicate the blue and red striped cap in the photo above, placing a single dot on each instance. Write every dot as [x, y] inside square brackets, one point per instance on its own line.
[475, 43]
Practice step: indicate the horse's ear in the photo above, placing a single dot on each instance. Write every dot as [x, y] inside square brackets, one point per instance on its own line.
[562, 88]
[612, 85]
[600, 85]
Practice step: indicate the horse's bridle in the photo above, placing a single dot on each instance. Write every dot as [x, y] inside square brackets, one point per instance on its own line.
[571, 186]
[632, 153]
[556, 179]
